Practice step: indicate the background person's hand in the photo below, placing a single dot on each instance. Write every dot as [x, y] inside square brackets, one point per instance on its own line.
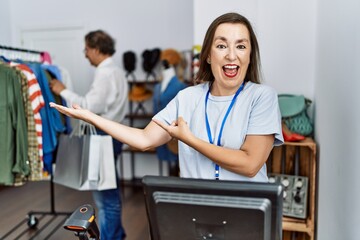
[56, 86]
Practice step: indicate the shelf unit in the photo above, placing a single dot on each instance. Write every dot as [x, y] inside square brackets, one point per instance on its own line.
[298, 158]
[133, 118]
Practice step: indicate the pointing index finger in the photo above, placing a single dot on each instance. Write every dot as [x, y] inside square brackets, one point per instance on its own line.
[161, 124]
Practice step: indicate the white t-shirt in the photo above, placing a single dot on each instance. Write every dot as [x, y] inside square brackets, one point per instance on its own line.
[255, 112]
[107, 95]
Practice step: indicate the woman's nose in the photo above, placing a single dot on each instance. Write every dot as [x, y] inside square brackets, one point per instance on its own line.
[231, 54]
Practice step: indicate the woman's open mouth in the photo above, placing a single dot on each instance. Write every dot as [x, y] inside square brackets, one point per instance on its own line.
[230, 70]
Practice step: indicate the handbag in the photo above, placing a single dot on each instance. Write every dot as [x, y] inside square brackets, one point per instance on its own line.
[85, 160]
[293, 110]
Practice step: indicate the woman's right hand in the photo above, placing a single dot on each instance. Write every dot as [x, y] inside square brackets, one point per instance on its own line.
[75, 112]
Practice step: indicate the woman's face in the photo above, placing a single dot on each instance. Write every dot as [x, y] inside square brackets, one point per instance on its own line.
[229, 57]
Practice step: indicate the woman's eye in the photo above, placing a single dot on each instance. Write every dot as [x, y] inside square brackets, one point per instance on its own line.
[221, 46]
[241, 47]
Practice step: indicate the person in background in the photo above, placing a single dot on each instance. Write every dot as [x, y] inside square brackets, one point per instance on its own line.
[226, 124]
[107, 97]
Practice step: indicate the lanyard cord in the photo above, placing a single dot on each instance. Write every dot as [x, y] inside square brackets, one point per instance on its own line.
[217, 174]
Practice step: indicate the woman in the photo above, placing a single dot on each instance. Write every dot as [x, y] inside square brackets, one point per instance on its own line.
[227, 124]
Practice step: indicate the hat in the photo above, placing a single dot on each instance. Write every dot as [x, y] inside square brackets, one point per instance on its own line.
[129, 60]
[139, 93]
[171, 55]
[150, 59]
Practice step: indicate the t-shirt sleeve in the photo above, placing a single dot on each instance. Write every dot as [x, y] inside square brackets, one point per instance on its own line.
[265, 117]
[170, 112]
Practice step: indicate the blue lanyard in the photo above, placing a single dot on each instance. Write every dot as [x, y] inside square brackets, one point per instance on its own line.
[217, 174]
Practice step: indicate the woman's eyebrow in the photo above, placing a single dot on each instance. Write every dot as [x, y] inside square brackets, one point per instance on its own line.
[237, 41]
[243, 40]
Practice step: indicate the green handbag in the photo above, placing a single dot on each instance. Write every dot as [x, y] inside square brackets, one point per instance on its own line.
[293, 110]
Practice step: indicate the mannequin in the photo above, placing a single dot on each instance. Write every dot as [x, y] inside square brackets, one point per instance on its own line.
[167, 88]
[164, 92]
[168, 73]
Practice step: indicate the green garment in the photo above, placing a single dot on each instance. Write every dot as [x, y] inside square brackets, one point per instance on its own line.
[13, 141]
[33, 145]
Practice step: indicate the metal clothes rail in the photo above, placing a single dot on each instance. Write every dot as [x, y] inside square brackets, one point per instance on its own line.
[19, 49]
[20, 53]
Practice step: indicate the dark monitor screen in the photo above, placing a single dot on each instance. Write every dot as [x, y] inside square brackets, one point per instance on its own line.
[185, 209]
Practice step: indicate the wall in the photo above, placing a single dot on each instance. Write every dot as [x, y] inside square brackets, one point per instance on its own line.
[337, 117]
[5, 34]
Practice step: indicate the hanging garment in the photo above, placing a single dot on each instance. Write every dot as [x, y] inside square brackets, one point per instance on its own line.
[13, 144]
[33, 153]
[36, 101]
[54, 72]
[45, 57]
[51, 119]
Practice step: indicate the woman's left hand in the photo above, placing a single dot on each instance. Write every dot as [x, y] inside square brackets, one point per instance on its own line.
[178, 129]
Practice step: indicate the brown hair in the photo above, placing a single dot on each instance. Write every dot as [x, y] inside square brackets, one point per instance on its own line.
[102, 41]
[253, 72]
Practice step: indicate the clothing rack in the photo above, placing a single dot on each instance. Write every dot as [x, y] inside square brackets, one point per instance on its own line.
[19, 49]
[31, 219]
[20, 53]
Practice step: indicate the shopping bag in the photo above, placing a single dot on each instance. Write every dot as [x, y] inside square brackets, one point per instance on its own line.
[72, 152]
[101, 173]
[85, 161]
[107, 172]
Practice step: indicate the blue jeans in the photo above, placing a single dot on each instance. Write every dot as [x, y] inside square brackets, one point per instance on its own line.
[108, 203]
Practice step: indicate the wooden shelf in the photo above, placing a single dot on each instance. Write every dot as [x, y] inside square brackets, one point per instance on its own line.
[290, 225]
[307, 167]
[308, 142]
